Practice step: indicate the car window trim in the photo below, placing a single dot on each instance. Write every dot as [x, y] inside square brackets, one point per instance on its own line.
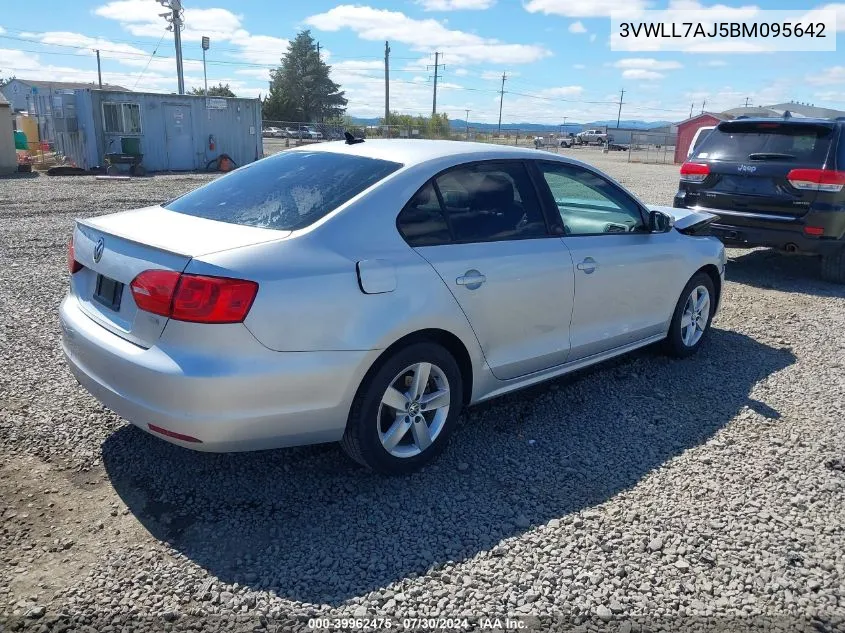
[553, 208]
[495, 161]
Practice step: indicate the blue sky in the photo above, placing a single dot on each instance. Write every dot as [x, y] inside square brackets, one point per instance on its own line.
[556, 54]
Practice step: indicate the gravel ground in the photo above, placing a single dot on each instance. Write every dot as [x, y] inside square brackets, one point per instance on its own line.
[644, 494]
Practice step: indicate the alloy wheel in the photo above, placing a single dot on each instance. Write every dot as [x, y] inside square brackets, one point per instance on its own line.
[413, 410]
[695, 316]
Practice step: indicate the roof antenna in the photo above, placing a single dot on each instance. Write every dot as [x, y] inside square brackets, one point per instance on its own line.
[787, 115]
[351, 140]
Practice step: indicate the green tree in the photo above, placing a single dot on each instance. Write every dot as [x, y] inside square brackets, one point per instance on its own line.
[437, 127]
[219, 90]
[301, 89]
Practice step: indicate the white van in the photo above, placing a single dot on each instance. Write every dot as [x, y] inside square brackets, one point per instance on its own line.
[700, 134]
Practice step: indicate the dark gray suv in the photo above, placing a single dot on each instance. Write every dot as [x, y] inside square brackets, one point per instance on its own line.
[773, 182]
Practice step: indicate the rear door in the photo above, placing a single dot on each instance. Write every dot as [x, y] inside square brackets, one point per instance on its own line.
[749, 163]
[482, 229]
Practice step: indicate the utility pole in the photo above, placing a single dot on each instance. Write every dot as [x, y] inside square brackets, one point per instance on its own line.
[501, 100]
[387, 84]
[619, 115]
[99, 74]
[691, 106]
[703, 103]
[434, 100]
[174, 17]
[467, 122]
[747, 99]
[318, 50]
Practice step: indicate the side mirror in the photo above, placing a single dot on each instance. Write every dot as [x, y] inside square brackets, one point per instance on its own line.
[659, 222]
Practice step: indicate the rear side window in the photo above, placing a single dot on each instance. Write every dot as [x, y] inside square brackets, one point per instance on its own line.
[481, 202]
[288, 191]
[788, 142]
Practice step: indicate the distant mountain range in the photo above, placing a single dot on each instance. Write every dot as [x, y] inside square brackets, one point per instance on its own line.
[459, 125]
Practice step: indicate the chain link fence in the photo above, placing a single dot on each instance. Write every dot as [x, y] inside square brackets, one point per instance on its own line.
[651, 147]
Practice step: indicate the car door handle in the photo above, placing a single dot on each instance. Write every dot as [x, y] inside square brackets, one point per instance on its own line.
[589, 265]
[472, 279]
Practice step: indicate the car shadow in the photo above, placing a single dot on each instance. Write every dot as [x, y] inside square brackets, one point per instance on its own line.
[309, 526]
[776, 270]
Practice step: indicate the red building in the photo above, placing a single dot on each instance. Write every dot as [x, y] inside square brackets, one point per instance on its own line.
[688, 128]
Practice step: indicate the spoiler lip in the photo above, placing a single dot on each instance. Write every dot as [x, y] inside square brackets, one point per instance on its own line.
[687, 221]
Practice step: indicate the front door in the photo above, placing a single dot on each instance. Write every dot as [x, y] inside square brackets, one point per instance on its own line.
[625, 277]
[179, 136]
[482, 229]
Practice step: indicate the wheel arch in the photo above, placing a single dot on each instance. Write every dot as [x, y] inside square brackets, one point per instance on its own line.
[445, 339]
[711, 271]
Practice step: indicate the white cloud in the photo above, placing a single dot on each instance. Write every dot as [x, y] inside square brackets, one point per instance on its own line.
[579, 66]
[582, 9]
[142, 18]
[647, 63]
[832, 75]
[489, 75]
[563, 91]
[838, 8]
[2, 30]
[593, 37]
[455, 5]
[639, 73]
[424, 35]
[577, 27]
[714, 63]
[262, 49]
[461, 72]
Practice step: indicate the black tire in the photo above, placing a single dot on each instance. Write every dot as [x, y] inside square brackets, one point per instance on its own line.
[361, 440]
[674, 344]
[833, 266]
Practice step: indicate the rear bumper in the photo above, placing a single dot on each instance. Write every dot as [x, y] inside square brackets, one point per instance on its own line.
[749, 229]
[236, 396]
[784, 239]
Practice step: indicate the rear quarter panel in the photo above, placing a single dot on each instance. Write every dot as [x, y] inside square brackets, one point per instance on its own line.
[309, 296]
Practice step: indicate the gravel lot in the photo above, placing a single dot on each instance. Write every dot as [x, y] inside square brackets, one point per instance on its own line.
[674, 494]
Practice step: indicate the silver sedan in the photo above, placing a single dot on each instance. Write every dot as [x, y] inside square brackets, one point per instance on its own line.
[367, 291]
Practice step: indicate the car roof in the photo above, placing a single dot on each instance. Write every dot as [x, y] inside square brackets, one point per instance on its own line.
[417, 151]
[796, 120]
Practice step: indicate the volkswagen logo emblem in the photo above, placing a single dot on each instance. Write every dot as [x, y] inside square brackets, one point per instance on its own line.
[98, 250]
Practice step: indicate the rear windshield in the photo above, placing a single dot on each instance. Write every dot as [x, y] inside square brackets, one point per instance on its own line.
[775, 141]
[288, 191]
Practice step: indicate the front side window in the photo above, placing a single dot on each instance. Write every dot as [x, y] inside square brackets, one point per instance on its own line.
[589, 204]
[287, 191]
[122, 118]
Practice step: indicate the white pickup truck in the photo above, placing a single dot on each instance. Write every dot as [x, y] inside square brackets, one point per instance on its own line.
[591, 137]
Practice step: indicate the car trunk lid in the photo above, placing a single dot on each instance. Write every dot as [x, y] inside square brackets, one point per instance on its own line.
[114, 249]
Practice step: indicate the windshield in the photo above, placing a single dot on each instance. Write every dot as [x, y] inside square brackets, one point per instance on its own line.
[791, 142]
[288, 191]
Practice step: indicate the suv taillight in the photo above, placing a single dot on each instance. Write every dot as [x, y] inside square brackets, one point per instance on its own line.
[195, 298]
[828, 180]
[72, 265]
[694, 172]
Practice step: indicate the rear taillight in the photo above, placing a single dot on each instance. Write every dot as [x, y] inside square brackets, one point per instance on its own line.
[814, 230]
[694, 172]
[828, 180]
[72, 265]
[195, 298]
[153, 290]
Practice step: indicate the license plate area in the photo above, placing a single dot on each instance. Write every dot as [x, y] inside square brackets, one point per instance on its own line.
[108, 292]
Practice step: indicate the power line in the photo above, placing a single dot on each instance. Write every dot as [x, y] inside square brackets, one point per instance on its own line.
[141, 74]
